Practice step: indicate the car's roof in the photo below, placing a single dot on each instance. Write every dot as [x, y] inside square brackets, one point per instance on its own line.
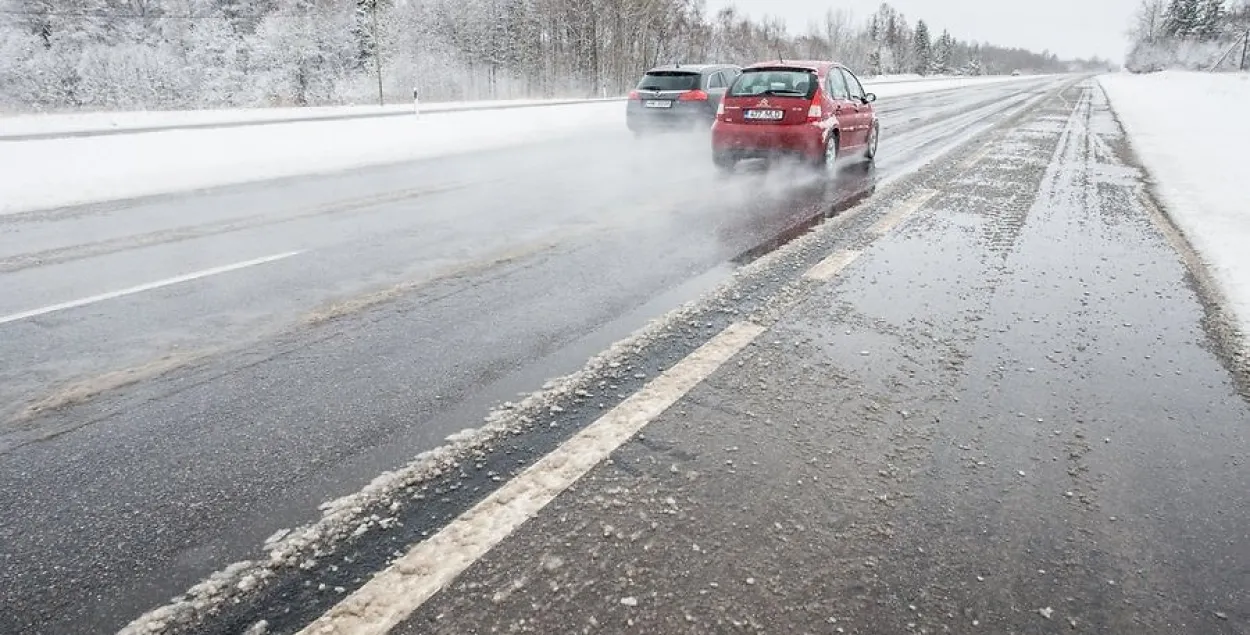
[815, 65]
[693, 68]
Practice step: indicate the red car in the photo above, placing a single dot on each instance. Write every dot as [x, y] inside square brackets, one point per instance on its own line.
[817, 111]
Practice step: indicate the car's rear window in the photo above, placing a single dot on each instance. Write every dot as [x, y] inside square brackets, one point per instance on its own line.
[782, 82]
[669, 80]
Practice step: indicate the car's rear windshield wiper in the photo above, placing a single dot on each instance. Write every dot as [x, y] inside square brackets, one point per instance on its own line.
[777, 92]
[650, 88]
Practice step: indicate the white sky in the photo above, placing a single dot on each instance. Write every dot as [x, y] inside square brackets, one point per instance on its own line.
[1069, 28]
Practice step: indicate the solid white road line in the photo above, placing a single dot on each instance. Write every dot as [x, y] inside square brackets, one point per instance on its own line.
[832, 265]
[897, 215]
[143, 287]
[392, 595]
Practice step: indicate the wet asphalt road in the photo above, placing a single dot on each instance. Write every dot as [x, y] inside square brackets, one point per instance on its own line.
[1006, 417]
[425, 293]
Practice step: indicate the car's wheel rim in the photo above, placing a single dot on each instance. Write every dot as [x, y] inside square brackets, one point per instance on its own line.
[831, 153]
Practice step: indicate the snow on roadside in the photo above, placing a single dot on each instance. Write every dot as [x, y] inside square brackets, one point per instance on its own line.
[1195, 157]
[59, 172]
[75, 122]
[50, 173]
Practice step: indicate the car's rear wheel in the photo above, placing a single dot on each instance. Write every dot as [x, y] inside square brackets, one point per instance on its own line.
[874, 139]
[833, 150]
[723, 161]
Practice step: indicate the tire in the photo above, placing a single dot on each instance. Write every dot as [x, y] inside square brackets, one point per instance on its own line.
[724, 162]
[833, 152]
[874, 140]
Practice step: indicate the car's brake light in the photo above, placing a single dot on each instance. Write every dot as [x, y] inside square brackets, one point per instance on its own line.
[720, 108]
[694, 95]
[633, 94]
[815, 113]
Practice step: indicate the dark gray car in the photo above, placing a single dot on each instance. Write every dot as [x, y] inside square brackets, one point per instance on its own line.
[678, 97]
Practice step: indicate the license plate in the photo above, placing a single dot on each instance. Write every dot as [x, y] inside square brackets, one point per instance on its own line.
[765, 115]
[659, 103]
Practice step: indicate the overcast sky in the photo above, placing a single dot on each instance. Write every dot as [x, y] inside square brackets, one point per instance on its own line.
[1069, 28]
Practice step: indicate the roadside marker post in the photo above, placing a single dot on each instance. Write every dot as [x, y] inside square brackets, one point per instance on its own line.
[1245, 48]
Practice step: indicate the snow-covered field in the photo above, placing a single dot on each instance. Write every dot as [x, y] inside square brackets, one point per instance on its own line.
[47, 173]
[1192, 132]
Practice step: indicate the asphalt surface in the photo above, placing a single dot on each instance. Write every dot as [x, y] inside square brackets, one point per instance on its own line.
[422, 294]
[1007, 417]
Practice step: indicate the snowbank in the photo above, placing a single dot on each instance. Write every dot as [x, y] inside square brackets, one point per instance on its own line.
[1196, 157]
[48, 173]
[71, 123]
[67, 171]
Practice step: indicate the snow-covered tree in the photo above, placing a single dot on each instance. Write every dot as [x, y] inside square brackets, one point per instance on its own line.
[1183, 18]
[1194, 34]
[922, 50]
[1210, 19]
[943, 54]
[104, 54]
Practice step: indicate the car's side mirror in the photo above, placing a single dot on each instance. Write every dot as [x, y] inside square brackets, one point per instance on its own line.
[870, 97]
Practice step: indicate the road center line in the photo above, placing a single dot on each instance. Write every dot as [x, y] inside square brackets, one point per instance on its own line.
[144, 287]
[392, 595]
[897, 215]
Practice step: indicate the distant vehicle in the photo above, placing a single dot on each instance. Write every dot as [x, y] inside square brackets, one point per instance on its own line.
[678, 97]
[817, 111]
[1015, 73]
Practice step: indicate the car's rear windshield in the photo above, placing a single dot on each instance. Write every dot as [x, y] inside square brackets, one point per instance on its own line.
[669, 80]
[782, 82]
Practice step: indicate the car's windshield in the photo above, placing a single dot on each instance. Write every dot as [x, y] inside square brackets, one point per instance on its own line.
[669, 80]
[774, 81]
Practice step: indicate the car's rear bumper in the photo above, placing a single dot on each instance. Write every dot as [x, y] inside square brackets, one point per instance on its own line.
[682, 116]
[750, 140]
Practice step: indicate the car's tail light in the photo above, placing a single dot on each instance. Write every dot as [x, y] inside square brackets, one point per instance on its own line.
[815, 112]
[720, 112]
[633, 94]
[694, 95]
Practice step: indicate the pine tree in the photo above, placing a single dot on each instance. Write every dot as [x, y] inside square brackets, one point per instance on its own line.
[1210, 19]
[923, 50]
[943, 53]
[1183, 18]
